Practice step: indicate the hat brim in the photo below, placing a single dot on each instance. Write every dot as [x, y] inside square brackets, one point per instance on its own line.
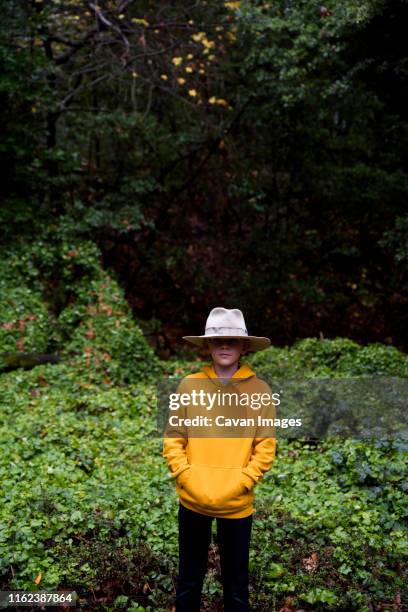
[256, 343]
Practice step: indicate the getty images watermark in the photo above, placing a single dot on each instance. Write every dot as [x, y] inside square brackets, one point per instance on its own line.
[359, 407]
[221, 399]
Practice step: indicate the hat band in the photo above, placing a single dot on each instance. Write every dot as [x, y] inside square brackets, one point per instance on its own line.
[226, 331]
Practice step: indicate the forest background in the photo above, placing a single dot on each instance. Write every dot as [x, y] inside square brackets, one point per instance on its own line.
[159, 159]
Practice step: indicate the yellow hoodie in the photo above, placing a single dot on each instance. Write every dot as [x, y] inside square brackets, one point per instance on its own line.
[216, 476]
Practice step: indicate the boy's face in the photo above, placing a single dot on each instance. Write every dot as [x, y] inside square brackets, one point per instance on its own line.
[226, 351]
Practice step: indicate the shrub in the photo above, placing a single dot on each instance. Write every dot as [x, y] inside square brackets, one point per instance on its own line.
[25, 323]
[341, 357]
[56, 296]
[98, 325]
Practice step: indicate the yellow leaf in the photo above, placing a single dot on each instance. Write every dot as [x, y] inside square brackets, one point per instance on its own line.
[164, 77]
[219, 101]
[121, 16]
[190, 56]
[142, 21]
[232, 5]
[189, 69]
[208, 44]
[198, 37]
[177, 61]
[192, 93]
[181, 81]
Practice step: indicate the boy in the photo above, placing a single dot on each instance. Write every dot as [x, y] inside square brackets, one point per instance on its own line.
[216, 470]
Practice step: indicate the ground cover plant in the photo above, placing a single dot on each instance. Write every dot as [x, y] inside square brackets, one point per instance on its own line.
[86, 499]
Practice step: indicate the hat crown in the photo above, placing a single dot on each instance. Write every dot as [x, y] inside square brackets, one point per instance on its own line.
[224, 321]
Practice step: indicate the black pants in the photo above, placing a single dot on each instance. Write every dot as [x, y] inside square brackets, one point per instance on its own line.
[233, 537]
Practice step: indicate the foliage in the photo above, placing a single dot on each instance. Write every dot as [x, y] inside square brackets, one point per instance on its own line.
[333, 527]
[75, 478]
[396, 240]
[25, 322]
[247, 152]
[87, 502]
[181, 367]
[340, 357]
[136, 125]
[101, 328]
[89, 320]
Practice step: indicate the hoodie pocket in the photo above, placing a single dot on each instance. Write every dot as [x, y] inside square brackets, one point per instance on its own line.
[181, 479]
[215, 488]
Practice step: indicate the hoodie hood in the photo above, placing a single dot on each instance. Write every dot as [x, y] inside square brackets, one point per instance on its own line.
[243, 373]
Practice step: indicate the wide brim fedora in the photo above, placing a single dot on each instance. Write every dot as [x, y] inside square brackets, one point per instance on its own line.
[228, 323]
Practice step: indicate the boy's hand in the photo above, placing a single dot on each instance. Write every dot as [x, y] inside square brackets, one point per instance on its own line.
[200, 487]
[248, 482]
[183, 477]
